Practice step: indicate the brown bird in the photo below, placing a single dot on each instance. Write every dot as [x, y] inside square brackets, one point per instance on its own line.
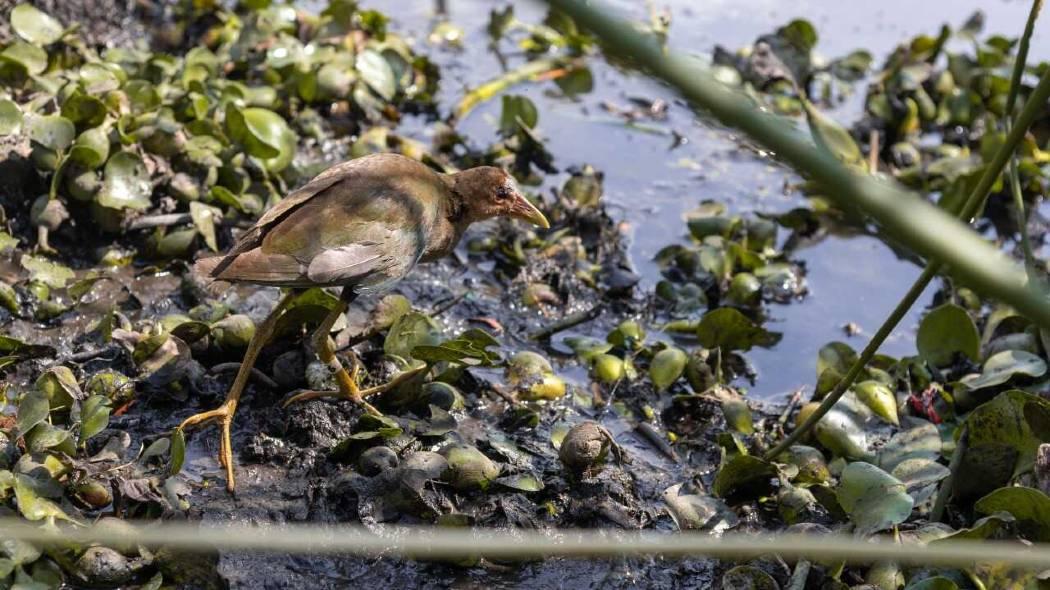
[360, 225]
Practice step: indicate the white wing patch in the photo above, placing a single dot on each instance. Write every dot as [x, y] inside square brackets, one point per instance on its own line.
[346, 264]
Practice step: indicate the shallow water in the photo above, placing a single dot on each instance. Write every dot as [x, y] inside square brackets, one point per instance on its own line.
[649, 186]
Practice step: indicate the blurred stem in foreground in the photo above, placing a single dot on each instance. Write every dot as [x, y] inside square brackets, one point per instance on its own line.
[974, 202]
[923, 227]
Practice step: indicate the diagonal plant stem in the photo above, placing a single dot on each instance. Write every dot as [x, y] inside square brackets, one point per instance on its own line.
[974, 202]
[928, 230]
[1013, 176]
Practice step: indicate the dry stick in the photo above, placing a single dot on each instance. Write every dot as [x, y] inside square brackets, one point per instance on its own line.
[570, 321]
[166, 219]
[1034, 106]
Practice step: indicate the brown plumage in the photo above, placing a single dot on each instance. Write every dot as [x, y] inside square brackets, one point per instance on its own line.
[365, 223]
[360, 225]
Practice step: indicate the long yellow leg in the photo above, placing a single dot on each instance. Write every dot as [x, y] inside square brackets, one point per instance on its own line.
[224, 413]
[347, 382]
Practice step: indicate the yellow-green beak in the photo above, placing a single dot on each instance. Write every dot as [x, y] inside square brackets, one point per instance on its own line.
[524, 210]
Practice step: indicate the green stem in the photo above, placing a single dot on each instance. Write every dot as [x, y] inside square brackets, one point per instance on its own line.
[529, 71]
[975, 200]
[923, 227]
[1011, 100]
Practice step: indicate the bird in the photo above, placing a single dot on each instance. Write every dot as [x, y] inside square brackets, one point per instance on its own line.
[361, 225]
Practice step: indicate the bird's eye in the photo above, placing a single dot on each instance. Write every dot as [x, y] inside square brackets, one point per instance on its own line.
[503, 192]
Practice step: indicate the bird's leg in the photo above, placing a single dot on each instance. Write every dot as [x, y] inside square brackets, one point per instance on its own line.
[347, 382]
[224, 413]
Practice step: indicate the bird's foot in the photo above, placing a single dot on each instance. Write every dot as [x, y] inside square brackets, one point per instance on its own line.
[349, 390]
[224, 416]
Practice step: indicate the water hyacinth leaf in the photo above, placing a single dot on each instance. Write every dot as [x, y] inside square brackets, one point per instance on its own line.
[748, 577]
[32, 410]
[525, 482]
[921, 442]
[84, 109]
[874, 499]
[470, 347]
[10, 117]
[50, 273]
[839, 432]
[31, 504]
[831, 136]
[1003, 366]
[35, 26]
[409, 331]
[667, 367]
[126, 183]
[698, 511]
[1029, 506]
[91, 149]
[835, 356]
[178, 451]
[728, 329]
[94, 417]
[984, 528]
[7, 242]
[946, 331]
[934, 583]
[54, 132]
[204, 220]
[30, 57]
[1004, 435]
[264, 134]
[743, 475]
[375, 70]
[879, 398]
[517, 110]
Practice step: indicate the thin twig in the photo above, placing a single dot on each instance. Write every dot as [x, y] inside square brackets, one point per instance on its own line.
[447, 304]
[656, 439]
[873, 151]
[570, 321]
[258, 375]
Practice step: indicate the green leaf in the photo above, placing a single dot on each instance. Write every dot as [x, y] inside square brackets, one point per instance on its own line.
[517, 110]
[264, 134]
[469, 348]
[84, 109]
[1004, 366]
[409, 331]
[728, 329]
[921, 442]
[32, 410]
[35, 26]
[31, 505]
[54, 132]
[126, 183]
[879, 398]
[945, 331]
[91, 149]
[1029, 506]
[50, 273]
[874, 499]
[831, 136]
[934, 583]
[10, 117]
[30, 57]
[833, 362]
[178, 452]
[744, 475]
[1004, 435]
[204, 220]
[667, 366]
[94, 417]
[375, 70]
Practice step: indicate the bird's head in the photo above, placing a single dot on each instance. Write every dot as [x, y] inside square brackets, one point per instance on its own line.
[487, 191]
